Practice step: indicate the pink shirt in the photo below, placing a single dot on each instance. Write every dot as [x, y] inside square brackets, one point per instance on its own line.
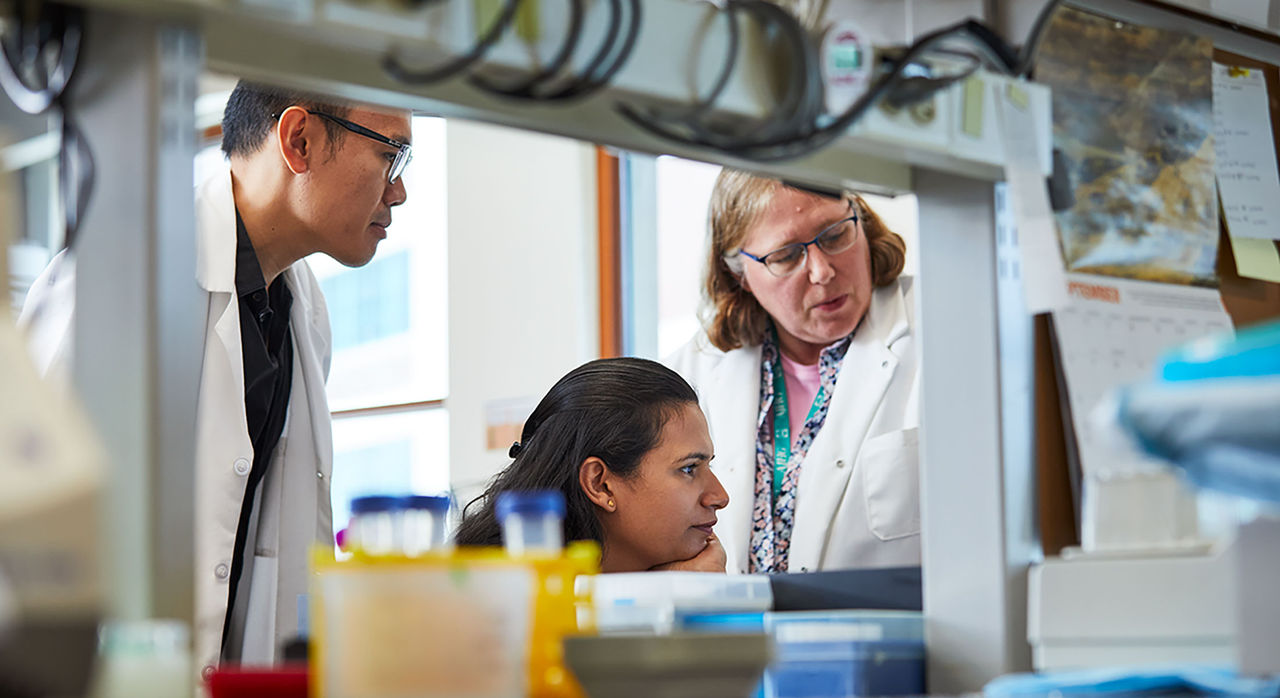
[802, 386]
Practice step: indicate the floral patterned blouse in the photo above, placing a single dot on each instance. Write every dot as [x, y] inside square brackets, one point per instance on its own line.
[771, 522]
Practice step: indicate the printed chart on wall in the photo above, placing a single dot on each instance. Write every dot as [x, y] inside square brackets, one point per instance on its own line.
[1112, 333]
[1133, 118]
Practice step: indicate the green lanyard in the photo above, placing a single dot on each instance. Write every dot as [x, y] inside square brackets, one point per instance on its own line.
[782, 423]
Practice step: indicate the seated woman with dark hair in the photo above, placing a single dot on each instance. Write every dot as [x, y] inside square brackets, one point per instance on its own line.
[626, 443]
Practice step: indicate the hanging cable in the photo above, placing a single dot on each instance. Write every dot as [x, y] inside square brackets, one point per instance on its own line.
[1027, 57]
[76, 169]
[913, 89]
[802, 99]
[894, 86]
[38, 58]
[691, 113]
[398, 71]
[800, 104]
[796, 125]
[785, 149]
[593, 81]
[37, 33]
[549, 86]
[812, 137]
[527, 87]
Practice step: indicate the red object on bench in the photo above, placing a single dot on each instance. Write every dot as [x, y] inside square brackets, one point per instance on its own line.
[248, 682]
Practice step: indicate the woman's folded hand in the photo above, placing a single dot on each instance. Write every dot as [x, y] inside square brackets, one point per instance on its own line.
[711, 559]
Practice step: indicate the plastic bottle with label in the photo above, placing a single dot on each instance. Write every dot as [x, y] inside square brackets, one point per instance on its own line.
[532, 522]
[425, 524]
[377, 525]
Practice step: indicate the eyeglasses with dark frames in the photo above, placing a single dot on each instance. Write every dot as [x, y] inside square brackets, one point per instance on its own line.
[404, 151]
[834, 239]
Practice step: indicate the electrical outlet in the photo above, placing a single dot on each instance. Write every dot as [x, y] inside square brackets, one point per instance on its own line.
[923, 113]
[921, 123]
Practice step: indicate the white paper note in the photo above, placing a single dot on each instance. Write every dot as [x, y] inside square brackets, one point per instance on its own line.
[1043, 272]
[1245, 153]
[1112, 333]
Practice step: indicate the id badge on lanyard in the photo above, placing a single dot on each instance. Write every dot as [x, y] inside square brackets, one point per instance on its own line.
[782, 423]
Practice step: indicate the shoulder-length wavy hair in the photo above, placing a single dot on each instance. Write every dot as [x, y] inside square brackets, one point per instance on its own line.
[612, 409]
[738, 202]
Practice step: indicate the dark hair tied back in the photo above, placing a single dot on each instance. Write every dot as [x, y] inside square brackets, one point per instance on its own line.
[611, 409]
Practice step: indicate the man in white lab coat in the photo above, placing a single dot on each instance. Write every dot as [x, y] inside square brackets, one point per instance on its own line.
[306, 175]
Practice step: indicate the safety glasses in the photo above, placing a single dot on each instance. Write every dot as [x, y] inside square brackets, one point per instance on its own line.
[404, 151]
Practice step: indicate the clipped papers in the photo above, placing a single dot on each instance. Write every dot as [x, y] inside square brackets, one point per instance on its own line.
[1248, 180]
[1043, 274]
[1246, 161]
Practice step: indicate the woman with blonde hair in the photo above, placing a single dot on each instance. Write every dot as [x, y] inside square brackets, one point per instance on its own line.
[807, 375]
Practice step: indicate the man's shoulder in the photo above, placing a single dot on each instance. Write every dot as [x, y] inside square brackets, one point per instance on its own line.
[215, 188]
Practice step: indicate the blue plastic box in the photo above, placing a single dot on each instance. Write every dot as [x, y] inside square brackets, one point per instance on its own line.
[833, 653]
[845, 653]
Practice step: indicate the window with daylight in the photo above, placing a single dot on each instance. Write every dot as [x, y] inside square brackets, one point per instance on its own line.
[390, 372]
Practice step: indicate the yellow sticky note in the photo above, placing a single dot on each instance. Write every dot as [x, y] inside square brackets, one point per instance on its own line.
[1018, 97]
[971, 120]
[528, 23]
[1256, 258]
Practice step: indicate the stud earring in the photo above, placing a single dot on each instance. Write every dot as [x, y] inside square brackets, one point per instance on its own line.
[610, 503]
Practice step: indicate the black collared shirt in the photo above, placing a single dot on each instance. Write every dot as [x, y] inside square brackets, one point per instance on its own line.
[266, 344]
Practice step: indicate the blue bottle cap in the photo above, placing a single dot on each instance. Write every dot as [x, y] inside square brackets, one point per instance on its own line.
[529, 503]
[434, 503]
[376, 504]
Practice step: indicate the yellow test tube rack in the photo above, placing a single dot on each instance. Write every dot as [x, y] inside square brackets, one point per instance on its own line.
[470, 621]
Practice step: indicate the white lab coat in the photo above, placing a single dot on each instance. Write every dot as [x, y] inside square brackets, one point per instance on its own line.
[857, 502]
[301, 466]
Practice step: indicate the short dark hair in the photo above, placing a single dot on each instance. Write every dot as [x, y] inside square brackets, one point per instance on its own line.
[253, 109]
[612, 409]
